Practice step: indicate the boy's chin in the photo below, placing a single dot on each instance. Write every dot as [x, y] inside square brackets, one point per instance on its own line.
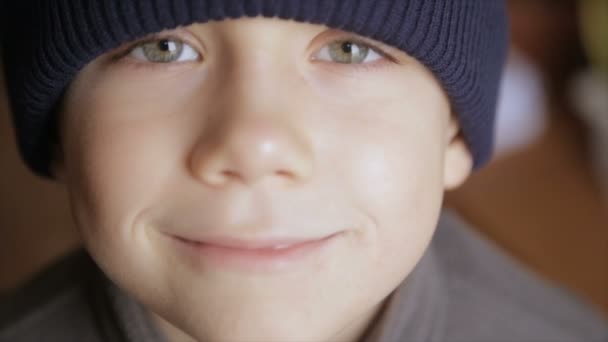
[254, 328]
[274, 321]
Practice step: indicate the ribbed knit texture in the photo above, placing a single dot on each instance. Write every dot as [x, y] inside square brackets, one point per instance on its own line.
[463, 42]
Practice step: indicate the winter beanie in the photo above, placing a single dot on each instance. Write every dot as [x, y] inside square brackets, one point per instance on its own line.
[47, 42]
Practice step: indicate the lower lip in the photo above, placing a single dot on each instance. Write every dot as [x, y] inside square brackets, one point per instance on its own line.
[263, 260]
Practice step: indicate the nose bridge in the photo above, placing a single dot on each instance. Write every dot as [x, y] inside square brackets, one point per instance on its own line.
[258, 79]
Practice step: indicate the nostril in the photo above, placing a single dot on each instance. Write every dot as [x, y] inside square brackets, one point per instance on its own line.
[230, 174]
[284, 174]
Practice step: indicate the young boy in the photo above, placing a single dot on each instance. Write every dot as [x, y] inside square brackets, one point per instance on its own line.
[268, 171]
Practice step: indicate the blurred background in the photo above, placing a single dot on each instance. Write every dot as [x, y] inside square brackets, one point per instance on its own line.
[544, 198]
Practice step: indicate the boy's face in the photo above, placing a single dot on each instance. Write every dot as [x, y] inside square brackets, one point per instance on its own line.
[195, 176]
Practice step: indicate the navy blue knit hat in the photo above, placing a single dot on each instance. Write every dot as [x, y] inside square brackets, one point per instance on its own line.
[463, 42]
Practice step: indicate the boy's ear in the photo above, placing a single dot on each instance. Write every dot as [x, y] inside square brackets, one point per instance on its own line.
[57, 164]
[458, 161]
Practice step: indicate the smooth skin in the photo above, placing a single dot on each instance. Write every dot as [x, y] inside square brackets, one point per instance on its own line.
[255, 129]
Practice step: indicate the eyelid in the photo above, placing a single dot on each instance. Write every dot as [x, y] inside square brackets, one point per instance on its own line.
[332, 36]
[124, 51]
[380, 53]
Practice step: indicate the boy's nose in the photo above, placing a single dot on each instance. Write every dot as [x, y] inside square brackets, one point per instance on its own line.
[249, 149]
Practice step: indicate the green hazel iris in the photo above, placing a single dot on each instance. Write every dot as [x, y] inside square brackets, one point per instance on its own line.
[163, 51]
[348, 52]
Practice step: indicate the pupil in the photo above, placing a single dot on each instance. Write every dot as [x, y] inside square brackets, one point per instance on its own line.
[347, 47]
[164, 45]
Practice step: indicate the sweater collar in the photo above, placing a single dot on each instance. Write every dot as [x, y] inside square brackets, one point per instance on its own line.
[415, 311]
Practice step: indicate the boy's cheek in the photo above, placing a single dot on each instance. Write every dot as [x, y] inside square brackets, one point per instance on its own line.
[121, 171]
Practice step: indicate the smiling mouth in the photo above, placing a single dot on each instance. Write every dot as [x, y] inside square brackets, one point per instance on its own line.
[258, 256]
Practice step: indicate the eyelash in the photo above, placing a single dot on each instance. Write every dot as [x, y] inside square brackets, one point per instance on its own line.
[387, 58]
[122, 55]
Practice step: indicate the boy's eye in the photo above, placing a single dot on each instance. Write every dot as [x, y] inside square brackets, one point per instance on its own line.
[348, 52]
[164, 51]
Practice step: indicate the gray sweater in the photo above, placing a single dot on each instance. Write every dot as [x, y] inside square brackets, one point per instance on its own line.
[463, 289]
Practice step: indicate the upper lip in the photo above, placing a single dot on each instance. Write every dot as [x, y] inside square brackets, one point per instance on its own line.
[250, 244]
